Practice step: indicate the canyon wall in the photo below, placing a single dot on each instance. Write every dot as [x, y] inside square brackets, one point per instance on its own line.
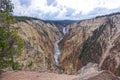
[39, 38]
[95, 40]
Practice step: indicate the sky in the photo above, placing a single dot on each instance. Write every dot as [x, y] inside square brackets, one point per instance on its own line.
[65, 9]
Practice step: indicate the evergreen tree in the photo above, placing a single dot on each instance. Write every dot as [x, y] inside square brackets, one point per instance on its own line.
[6, 13]
[10, 43]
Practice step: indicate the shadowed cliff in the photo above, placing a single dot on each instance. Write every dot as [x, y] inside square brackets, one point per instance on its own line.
[95, 40]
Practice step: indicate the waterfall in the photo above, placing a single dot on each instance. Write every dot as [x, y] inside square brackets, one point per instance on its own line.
[56, 47]
[64, 30]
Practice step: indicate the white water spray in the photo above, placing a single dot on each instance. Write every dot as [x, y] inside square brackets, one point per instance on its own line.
[64, 30]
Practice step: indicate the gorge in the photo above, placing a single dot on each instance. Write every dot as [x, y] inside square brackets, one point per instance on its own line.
[70, 45]
[86, 41]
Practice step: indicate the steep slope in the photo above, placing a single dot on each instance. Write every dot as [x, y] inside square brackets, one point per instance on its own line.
[39, 38]
[95, 40]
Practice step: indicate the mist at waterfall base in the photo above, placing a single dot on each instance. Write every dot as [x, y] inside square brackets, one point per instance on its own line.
[56, 47]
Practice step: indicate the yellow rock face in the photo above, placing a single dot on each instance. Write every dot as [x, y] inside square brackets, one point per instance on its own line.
[94, 40]
[39, 39]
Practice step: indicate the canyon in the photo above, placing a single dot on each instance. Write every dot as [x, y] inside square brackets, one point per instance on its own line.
[39, 38]
[56, 46]
[68, 46]
[94, 40]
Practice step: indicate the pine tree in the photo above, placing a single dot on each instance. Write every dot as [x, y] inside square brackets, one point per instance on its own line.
[10, 43]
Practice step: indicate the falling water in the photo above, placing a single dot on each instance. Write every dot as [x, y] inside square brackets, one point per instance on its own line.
[57, 49]
[64, 30]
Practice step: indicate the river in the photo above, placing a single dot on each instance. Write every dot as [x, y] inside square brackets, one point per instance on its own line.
[56, 47]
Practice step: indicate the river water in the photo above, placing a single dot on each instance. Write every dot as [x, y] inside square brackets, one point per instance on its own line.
[56, 47]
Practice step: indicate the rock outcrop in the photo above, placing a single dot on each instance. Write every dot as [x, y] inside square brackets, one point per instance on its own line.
[39, 38]
[91, 72]
[95, 40]
[104, 75]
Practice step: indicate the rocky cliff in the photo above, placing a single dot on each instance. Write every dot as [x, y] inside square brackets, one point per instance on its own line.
[95, 40]
[39, 38]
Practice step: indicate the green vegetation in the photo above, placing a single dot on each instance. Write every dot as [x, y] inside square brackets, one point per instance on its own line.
[6, 13]
[118, 72]
[10, 43]
[24, 18]
[30, 64]
[16, 66]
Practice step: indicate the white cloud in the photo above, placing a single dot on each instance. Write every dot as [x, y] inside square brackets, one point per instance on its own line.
[85, 6]
[39, 8]
[109, 4]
